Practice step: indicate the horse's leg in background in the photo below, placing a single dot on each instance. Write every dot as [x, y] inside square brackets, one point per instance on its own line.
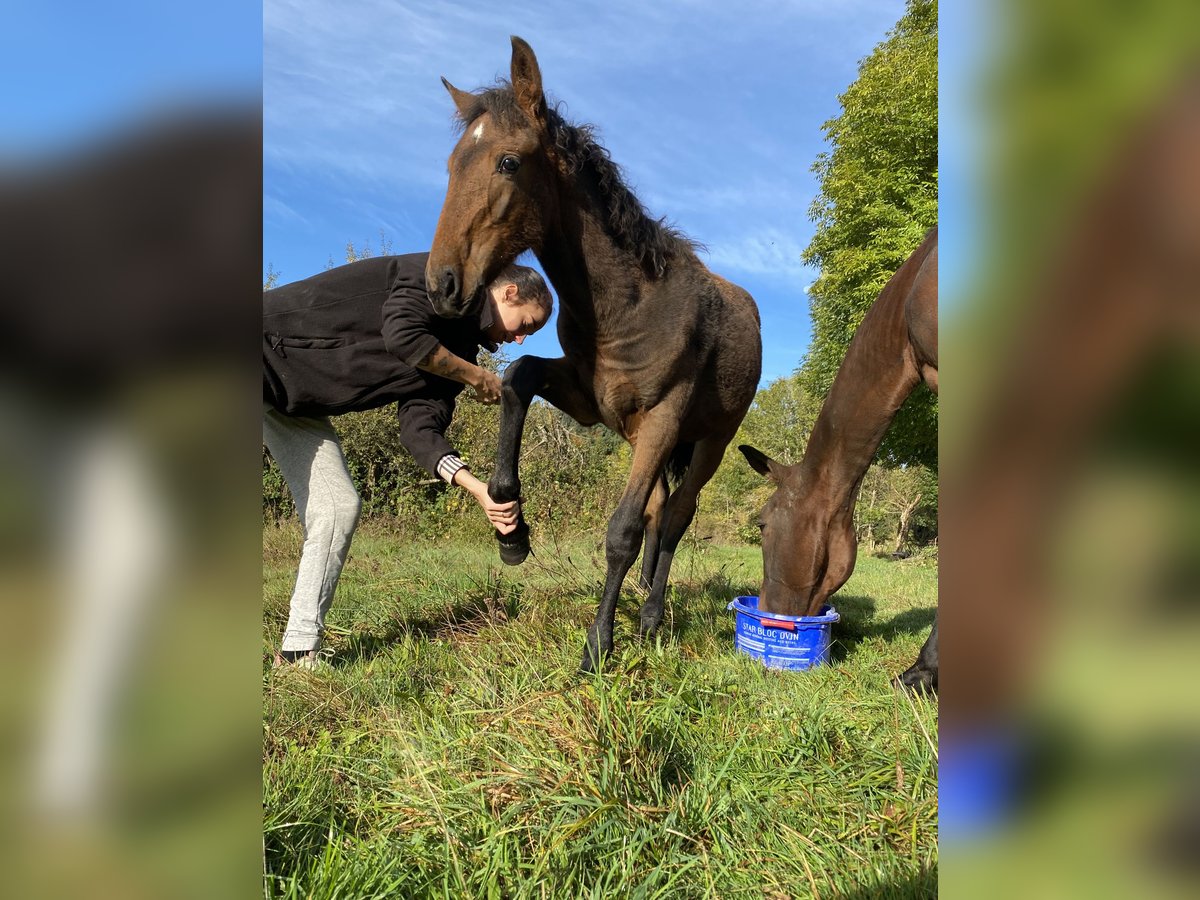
[654, 519]
[681, 509]
[655, 441]
[921, 312]
[529, 376]
[923, 674]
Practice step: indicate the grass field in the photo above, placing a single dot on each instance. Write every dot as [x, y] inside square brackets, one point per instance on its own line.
[452, 750]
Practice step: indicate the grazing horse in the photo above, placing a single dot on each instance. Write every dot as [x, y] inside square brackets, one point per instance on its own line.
[656, 347]
[808, 539]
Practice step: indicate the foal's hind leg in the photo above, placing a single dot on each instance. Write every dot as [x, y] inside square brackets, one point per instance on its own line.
[654, 520]
[557, 381]
[681, 509]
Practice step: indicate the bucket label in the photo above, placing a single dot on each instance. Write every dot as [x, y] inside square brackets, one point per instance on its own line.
[778, 635]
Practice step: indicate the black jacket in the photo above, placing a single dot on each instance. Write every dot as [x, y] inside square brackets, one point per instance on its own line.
[349, 339]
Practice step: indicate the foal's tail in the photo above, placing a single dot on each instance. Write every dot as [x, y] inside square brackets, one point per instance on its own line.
[678, 462]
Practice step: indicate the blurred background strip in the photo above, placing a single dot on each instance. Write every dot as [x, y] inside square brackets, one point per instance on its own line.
[1070, 729]
[130, 249]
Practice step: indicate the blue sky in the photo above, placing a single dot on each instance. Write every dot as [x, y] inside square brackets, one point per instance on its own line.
[712, 109]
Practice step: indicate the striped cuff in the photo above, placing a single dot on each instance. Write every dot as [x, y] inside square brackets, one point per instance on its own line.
[448, 465]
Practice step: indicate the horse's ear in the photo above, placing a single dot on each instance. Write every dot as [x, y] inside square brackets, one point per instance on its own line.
[462, 100]
[761, 463]
[526, 80]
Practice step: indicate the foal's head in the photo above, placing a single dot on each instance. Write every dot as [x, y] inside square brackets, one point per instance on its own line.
[502, 186]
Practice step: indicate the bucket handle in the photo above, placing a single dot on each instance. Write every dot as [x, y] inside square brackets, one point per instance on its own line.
[778, 623]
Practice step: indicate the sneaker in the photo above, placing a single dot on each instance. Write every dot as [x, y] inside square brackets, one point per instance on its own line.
[309, 660]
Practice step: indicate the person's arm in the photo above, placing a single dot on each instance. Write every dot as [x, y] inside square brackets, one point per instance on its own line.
[485, 384]
[423, 424]
[411, 332]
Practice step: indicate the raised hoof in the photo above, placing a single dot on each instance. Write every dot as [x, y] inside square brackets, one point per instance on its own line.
[514, 547]
[919, 681]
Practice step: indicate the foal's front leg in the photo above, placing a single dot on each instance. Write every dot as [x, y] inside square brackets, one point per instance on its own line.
[527, 377]
[626, 528]
[521, 382]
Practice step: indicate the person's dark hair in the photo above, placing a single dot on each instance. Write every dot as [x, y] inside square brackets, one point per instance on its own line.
[531, 287]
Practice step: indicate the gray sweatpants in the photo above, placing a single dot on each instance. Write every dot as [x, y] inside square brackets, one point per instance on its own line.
[309, 455]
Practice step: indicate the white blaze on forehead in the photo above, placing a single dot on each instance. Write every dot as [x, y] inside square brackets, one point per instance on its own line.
[478, 132]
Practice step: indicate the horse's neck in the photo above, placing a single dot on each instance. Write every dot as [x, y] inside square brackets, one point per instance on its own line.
[873, 381]
[595, 279]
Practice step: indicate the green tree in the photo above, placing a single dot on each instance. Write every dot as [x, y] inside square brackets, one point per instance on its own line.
[879, 195]
[897, 508]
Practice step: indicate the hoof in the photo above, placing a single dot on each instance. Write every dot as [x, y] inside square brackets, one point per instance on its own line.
[592, 659]
[919, 681]
[514, 547]
[651, 618]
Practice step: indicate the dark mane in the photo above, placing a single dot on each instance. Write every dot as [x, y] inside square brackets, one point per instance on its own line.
[653, 241]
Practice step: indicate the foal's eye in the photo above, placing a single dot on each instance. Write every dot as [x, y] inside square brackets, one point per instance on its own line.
[508, 165]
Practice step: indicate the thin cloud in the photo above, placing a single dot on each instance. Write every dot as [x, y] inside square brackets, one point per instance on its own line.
[768, 253]
[274, 208]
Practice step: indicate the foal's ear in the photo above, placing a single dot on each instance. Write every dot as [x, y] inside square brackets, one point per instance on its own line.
[761, 463]
[462, 100]
[526, 80]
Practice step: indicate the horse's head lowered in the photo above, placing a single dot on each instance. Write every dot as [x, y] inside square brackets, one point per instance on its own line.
[501, 190]
[789, 574]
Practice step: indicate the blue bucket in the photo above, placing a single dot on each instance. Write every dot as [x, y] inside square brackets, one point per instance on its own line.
[782, 642]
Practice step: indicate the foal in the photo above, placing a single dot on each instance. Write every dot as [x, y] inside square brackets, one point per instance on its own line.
[656, 347]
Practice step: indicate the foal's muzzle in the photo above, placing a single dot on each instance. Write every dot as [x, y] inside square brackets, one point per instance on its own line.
[445, 292]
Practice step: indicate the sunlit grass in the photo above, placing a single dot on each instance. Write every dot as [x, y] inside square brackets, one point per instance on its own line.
[452, 749]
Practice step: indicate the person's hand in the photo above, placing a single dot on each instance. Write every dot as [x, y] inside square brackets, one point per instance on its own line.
[486, 387]
[503, 516]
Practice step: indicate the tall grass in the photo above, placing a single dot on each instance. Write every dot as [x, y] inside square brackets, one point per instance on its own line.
[451, 749]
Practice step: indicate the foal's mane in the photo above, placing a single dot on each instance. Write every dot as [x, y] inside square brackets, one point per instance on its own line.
[653, 241]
